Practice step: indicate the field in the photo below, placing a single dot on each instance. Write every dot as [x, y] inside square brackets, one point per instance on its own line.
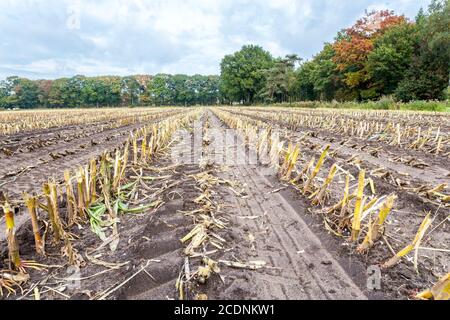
[224, 203]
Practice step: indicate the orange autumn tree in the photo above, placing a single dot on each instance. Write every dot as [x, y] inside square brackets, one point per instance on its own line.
[355, 44]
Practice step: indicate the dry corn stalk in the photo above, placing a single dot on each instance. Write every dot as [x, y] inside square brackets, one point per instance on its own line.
[13, 246]
[11, 279]
[290, 161]
[117, 171]
[375, 228]
[356, 223]
[93, 181]
[304, 172]
[81, 192]
[319, 195]
[52, 209]
[414, 245]
[32, 204]
[125, 159]
[135, 149]
[144, 146]
[198, 235]
[71, 202]
[316, 169]
[440, 291]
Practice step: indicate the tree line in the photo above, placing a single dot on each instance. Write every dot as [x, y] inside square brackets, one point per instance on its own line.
[382, 54]
[81, 91]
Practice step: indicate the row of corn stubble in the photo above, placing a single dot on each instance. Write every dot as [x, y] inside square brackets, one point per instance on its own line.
[94, 194]
[355, 216]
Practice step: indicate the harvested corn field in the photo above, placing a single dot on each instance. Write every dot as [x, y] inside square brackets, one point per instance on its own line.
[243, 203]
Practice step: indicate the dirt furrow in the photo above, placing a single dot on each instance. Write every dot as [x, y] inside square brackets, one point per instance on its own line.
[298, 265]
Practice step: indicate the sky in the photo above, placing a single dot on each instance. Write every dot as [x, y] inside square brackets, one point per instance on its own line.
[62, 38]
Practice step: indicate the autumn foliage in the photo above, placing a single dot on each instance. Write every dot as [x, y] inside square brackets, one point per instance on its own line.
[357, 42]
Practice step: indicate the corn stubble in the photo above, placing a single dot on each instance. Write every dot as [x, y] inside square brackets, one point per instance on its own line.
[94, 194]
[100, 192]
[360, 216]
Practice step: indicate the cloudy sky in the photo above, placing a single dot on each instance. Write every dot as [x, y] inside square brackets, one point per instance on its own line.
[50, 39]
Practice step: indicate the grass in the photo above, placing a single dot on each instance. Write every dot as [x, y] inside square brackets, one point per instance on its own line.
[383, 104]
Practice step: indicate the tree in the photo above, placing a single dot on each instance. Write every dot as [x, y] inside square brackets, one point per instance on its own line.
[243, 73]
[391, 57]
[324, 75]
[354, 45]
[27, 93]
[131, 90]
[44, 87]
[428, 75]
[279, 79]
[319, 78]
[8, 96]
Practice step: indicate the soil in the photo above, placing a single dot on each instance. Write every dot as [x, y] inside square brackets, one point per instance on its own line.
[268, 221]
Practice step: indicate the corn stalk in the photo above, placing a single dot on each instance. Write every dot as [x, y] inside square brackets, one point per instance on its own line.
[320, 193]
[52, 209]
[376, 228]
[356, 224]
[414, 245]
[319, 164]
[32, 204]
[72, 211]
[13, 245]
[440, 291]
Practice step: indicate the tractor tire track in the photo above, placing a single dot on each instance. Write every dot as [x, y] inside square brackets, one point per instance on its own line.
[300, 267]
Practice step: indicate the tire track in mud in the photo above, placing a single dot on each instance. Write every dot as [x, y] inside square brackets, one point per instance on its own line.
[163, 234]
[299, 266]
[410, 209]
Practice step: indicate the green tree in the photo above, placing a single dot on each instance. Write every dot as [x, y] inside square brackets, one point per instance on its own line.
[304, 85]
[319, 78]
[279, 79]
[131, 90]
[243, 74]
[27, 93]
[428, 75]
[391, 57]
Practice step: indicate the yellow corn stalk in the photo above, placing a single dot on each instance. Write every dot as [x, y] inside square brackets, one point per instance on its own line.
[93, 181]
[125, 159]
[414, 245]
[31, 203]
[117, 171]
[356, 224]
[342, 204]
[440, 291]
[320, 193]
[290, 161]
[81, 190]
[368, 206]
[135, 149]
[375, 229]
[316, 169]
[54, 218]
[71, 202]
[144, 146]
[438, 146]
[13, 246]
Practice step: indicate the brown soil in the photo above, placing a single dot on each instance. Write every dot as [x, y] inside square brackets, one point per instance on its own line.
[267, 221]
